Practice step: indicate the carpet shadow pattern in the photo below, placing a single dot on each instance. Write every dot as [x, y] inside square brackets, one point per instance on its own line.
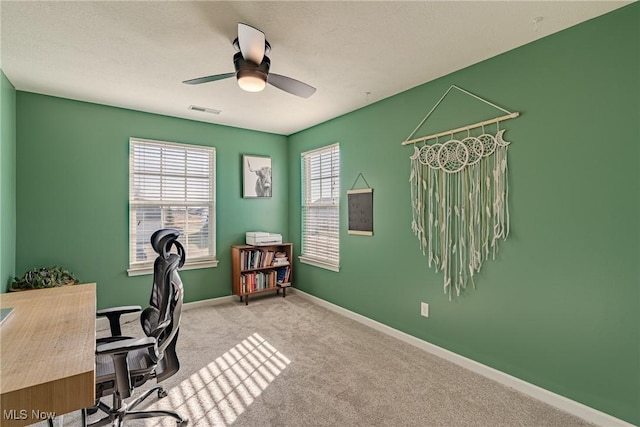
[289, 362]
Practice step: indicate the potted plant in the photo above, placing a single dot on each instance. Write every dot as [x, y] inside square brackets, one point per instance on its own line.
[38, 278]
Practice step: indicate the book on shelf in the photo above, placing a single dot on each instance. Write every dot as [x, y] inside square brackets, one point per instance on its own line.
[257, 258]
[258, 280]
[283, 274]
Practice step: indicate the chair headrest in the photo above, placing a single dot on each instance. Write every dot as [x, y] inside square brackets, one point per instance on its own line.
[163, 239]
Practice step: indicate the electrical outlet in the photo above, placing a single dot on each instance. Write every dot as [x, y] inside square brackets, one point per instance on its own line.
[424, 309]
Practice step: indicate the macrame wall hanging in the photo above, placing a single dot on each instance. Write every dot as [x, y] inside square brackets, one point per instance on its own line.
[459, 196]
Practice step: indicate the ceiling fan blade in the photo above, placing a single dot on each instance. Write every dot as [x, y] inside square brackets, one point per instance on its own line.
[209, 79]
[290, 85]
[251, 42]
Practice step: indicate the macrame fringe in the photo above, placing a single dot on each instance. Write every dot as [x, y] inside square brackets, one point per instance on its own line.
[459, 194]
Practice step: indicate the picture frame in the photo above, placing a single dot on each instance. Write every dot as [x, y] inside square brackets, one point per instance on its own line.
[256, 176]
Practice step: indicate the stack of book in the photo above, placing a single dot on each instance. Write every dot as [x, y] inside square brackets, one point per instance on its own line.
[280, 259]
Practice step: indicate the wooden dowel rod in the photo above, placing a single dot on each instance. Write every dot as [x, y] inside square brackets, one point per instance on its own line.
[460, 129]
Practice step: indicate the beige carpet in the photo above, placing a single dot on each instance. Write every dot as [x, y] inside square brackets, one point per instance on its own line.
[288, 362]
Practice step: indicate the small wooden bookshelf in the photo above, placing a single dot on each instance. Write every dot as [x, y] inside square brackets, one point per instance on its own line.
[258, 269]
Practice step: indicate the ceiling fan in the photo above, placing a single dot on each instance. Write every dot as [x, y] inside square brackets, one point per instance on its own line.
[252, 66]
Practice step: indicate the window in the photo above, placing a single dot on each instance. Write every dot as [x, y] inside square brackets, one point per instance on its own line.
[171, 186]
[320, 207]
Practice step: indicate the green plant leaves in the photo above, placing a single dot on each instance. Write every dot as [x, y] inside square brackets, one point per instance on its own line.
[47, 277]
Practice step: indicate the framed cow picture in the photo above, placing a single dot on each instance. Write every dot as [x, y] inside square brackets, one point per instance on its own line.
[256, 176]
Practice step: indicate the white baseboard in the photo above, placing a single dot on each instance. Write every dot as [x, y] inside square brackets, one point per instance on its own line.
[571, 406]
[207, 302]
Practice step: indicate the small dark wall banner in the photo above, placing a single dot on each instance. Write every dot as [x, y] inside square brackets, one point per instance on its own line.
[360, 211]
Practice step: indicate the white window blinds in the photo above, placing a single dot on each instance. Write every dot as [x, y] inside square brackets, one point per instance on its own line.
[171, 186]
[320, 207]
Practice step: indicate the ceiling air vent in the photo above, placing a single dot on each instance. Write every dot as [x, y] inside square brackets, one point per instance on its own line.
[204, 109]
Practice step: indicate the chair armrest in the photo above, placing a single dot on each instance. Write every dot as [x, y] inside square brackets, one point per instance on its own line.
[125, 346]
[121, 309]
[114, 313]
[106, 340]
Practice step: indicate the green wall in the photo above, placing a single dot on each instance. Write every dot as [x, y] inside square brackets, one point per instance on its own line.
[72, 192]
[560, 307]
[7, 182]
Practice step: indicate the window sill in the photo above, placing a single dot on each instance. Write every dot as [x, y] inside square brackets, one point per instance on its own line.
[320, 264]
[148, 269]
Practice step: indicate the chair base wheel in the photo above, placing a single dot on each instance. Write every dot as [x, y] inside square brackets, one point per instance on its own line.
[162, 393]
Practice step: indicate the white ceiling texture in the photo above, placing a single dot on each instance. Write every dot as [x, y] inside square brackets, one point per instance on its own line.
[136, 54]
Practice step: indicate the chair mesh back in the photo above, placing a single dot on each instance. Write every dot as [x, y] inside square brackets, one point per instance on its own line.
[162, 318]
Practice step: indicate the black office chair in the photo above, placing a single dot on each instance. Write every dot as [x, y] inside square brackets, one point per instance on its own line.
[124, 363]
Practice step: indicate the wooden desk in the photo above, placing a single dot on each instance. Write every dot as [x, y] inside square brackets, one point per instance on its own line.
[47, 353]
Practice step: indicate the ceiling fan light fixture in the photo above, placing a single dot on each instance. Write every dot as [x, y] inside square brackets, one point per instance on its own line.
[252, 66]
[252, 80]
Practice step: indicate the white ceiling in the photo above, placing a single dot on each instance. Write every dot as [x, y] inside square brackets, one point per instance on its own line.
[136, 54]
